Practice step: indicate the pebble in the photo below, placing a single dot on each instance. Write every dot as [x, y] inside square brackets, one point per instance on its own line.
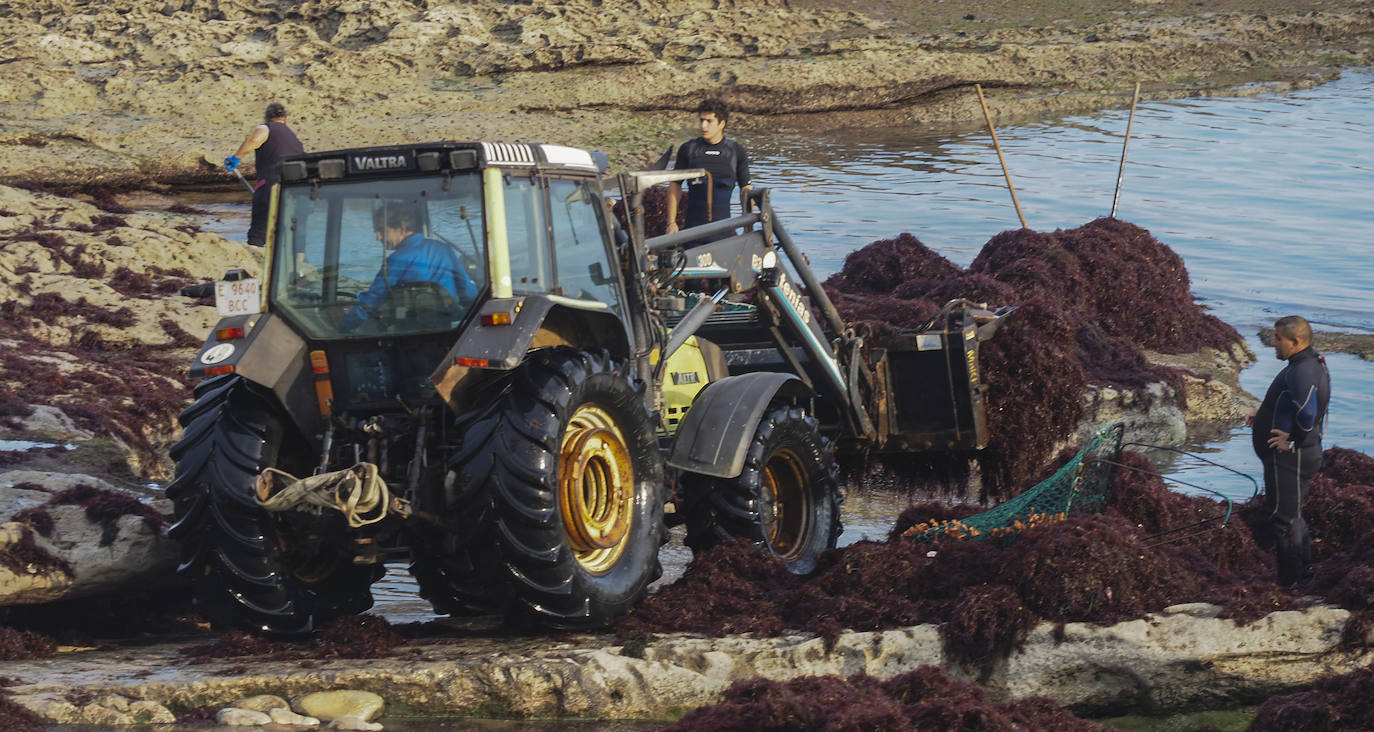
[262, 703]
[283, 715]
[332, 705]
[235, 717]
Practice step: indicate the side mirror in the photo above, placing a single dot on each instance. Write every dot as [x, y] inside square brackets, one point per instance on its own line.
[598, 274]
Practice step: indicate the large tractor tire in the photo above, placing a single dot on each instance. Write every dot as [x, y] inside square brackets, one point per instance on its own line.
[460, 572]
[279, 574]
[786, 500]
[569, 461]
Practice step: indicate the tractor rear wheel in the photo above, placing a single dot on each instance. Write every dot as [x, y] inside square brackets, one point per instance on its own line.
[278, 574]
[786, 500]
[570, 464]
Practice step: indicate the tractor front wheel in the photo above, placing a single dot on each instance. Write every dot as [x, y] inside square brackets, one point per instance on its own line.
[786, 500]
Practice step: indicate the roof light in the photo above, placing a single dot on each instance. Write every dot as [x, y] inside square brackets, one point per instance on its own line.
[427, 161]
[462, 159]
[294, 170]
[332, 168]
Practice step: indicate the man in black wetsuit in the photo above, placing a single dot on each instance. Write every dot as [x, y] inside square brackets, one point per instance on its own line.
[1288, 440]
[723, 158]
[272, 140]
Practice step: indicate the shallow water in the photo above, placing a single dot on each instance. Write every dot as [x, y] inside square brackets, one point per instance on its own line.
[1265, 198]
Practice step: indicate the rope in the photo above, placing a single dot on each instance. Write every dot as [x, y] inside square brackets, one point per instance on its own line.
[358, 493]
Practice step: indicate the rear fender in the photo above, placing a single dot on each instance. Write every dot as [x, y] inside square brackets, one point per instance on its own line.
[270, 354]
[534, 321]
[715, 435]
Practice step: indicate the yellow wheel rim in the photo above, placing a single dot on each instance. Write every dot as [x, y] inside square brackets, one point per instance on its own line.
[596, 488]
[787, 520]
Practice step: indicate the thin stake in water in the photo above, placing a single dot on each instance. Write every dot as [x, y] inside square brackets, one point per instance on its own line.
[998, 146]
[1121, 171]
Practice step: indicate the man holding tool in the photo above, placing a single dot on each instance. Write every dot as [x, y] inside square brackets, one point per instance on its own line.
[272, 140]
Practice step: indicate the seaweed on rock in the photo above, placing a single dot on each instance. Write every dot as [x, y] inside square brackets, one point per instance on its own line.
[924, 699]
[1339, 704]
[1117, 565]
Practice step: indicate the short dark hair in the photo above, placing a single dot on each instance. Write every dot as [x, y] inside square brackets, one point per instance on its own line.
[275, 110]
[716, 106]
[1294, 328]
[406, 215]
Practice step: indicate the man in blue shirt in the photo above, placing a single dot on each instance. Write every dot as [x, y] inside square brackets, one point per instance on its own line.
[414, 258]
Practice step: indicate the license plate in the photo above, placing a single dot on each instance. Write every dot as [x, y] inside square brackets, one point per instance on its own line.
[239, 297]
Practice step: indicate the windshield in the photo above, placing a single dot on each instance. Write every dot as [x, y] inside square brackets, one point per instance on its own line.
[392, 257]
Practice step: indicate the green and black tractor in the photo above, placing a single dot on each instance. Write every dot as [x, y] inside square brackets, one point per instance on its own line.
[516, 395]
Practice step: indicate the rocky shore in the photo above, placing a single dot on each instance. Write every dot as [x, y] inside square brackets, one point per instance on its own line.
[101, 101]
[139, 94]
[1178, 660]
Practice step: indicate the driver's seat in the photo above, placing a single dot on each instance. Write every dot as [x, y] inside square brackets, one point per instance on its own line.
[421, 304]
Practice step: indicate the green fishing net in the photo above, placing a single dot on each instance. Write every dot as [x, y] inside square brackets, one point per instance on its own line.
[1082, 485]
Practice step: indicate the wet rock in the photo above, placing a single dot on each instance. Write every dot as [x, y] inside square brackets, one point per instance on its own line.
[105, 539]
[262, 703]
[284, 715]
[105, 709]
[235, 717]
[329, 706]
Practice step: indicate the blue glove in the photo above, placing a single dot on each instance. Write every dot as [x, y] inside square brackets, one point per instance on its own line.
[231, 163]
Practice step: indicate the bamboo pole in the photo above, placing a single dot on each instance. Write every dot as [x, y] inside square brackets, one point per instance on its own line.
[998, 146]
[1121, 171]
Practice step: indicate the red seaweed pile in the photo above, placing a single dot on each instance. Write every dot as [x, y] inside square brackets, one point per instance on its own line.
[923, 699]
[88, 322]
[352, 636]
[1338, 704]
[1152, 548]
[1090, 299]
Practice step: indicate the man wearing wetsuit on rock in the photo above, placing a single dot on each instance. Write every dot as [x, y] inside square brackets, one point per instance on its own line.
[1288, 440]
[723, 158]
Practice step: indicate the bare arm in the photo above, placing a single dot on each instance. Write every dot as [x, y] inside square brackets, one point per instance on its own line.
[674, 192]
[254, 141]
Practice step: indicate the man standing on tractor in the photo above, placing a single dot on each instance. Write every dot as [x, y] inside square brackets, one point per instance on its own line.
[270, 141]
[726, 161]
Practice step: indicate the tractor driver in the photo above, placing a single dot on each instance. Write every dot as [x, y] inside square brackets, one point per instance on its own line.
[413, 258]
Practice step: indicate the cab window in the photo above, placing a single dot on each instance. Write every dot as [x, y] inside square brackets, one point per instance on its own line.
[585, 269]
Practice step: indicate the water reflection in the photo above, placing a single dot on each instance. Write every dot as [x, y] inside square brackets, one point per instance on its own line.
[1266, 198]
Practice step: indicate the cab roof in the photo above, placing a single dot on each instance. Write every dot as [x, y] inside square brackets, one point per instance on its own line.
[432, 157]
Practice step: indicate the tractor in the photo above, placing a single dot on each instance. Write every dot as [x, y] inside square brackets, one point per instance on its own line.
[457, 358]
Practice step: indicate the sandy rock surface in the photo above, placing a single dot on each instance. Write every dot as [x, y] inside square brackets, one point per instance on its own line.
[143, 91]
[1180, 659]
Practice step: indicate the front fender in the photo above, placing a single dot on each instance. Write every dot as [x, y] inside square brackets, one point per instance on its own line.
[715, 435]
